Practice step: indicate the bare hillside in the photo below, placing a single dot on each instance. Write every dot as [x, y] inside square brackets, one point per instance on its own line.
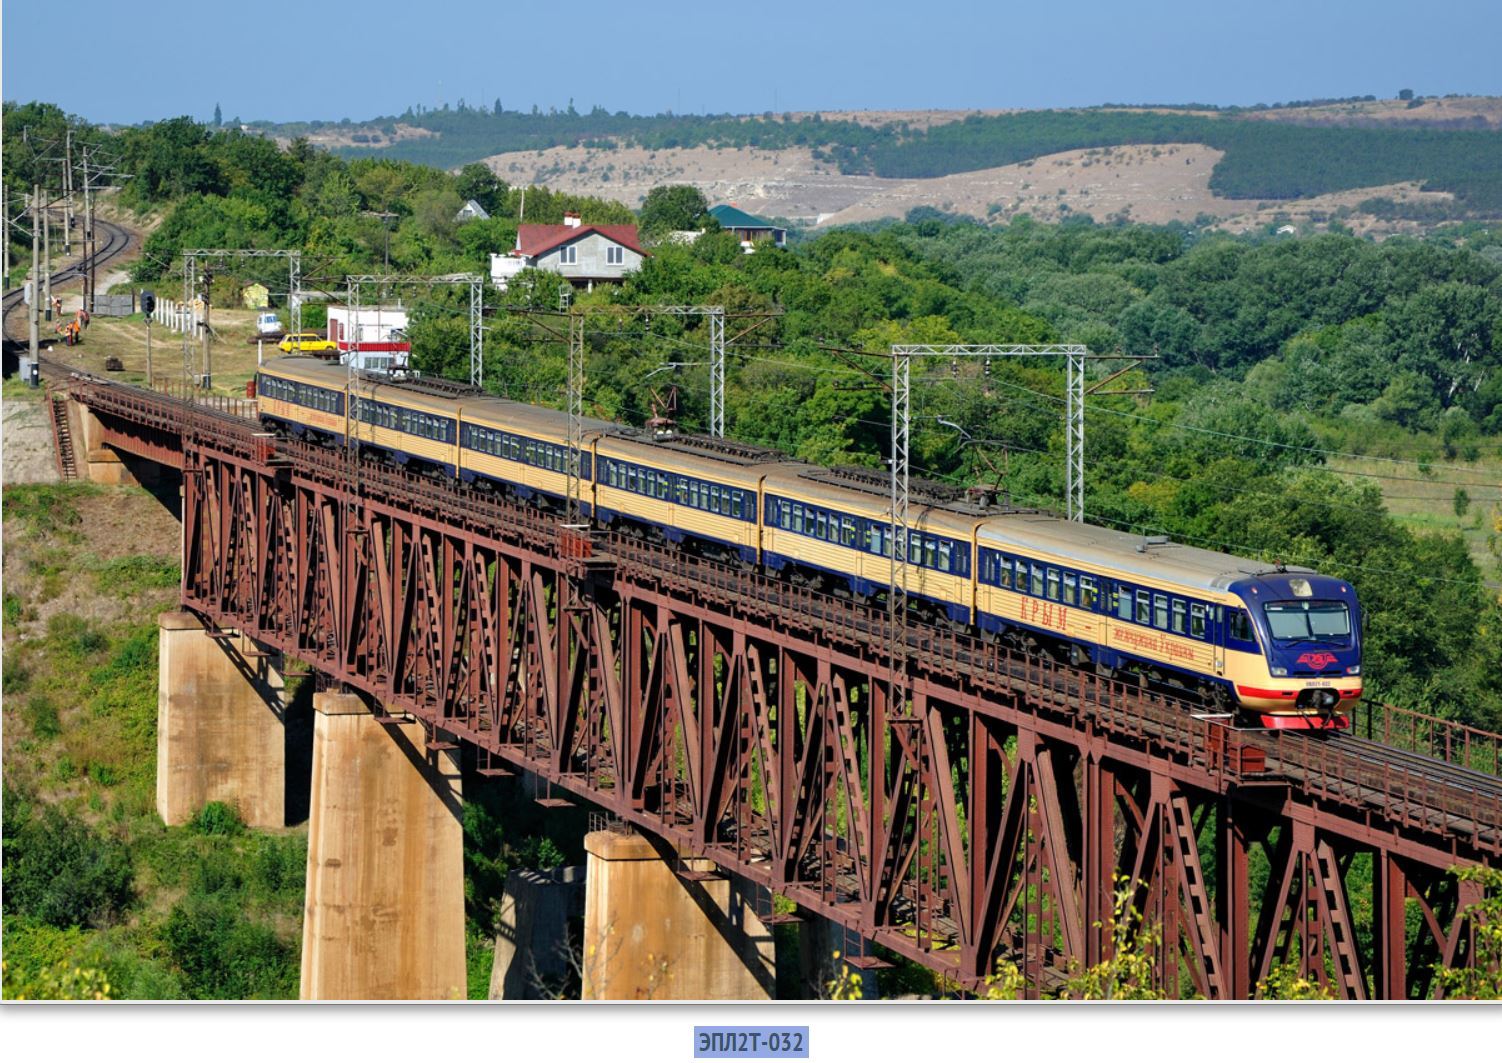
[1169, 182]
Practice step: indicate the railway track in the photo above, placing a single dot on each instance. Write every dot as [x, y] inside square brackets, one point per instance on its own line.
[1377, 753]
[116, 240]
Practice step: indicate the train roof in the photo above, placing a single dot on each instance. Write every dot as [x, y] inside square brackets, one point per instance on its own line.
[308, 368]
[864, 495]
[534, 421]
[1118, 551]
[702, 446]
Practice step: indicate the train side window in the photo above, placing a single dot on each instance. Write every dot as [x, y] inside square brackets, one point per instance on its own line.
[1071, 588]
[1160, 610]
[1053, 583]
[1197, 620]
[1144, 607]
[1037, 582]
[847, 531]
[1124, 603]
[797, 518]
[1178, 616]
[1087, 592]
[930, 552]
[946, 556]
[1005, 569]
[1241, 626]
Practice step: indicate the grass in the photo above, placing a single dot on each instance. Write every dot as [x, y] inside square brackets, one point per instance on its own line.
[1425, 499]
[233, 356]
[46, 508]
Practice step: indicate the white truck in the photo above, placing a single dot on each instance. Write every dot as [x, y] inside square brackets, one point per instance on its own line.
[268, 324]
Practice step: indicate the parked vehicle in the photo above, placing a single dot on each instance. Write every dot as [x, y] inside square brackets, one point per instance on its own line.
[307, 343]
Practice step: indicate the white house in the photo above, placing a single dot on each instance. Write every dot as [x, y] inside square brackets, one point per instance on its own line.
[471, 211]
[582, 254]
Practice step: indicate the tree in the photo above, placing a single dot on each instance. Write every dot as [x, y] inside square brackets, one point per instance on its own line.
[1405, 94]
[1284, 982]
[1128, 973]
[218, 116]
[1482, 980]
[478, 182]
[670, 208]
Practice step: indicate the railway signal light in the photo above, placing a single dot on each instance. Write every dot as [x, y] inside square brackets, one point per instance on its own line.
[148, 303]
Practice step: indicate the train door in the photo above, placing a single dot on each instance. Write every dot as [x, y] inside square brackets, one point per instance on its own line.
[1219, 642]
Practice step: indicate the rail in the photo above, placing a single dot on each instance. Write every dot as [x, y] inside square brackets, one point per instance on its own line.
[1446, 740]
[1437, 792]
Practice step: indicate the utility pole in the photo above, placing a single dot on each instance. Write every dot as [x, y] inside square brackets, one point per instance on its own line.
[5, 207]
[68, 194]
[46, 256]
[88, 234]
[208, 366]
[36, 198]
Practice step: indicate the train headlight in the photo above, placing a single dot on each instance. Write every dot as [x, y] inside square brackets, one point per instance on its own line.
[1279, 671]
[1355, 669]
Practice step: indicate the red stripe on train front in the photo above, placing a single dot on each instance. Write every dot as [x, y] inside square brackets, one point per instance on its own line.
[1311, 722]
[1258, 692]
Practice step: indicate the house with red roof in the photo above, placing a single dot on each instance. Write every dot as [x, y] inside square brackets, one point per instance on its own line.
[583, 254]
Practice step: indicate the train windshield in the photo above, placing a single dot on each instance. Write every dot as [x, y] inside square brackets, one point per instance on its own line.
[1309, 621]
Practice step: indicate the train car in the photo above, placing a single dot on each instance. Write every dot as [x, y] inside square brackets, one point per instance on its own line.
[303, 397]
[838, 522]
[1283, 643]
[688, 487]
[524, 448]
[411, 425]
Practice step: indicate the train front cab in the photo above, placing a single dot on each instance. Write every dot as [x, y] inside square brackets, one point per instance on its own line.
[1293, 651]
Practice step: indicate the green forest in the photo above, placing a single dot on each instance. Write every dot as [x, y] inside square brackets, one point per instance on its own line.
[1324, 400]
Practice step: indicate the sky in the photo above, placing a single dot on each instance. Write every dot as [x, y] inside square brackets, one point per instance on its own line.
[284, 61]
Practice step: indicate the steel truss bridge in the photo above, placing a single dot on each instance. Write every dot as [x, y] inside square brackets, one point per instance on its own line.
[748, 721]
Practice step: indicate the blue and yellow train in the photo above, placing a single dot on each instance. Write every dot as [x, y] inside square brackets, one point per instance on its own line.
[1280, 644]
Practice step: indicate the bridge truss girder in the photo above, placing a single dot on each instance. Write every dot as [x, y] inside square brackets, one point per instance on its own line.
[748, 722]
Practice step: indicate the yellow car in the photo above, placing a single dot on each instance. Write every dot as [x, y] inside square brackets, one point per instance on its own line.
[306, 342]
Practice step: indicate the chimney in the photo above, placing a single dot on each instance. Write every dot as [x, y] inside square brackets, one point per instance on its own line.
[571, 219]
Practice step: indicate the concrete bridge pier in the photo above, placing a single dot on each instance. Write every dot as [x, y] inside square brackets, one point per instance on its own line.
[99, 463]
[657, 927]
[220, 725]
[385, 892]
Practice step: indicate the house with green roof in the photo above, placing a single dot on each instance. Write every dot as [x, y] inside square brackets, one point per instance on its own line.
[748, 228]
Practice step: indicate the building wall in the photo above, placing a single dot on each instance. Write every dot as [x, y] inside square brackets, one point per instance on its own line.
[591, 259]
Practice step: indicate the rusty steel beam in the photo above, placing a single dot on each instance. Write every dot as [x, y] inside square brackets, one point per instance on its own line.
[748, 721]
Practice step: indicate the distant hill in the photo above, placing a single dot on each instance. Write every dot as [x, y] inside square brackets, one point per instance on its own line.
[1280, 153]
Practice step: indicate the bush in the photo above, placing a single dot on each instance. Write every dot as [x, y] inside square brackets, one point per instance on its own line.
[74, 636]
[41, 717]
[223, 955]
[217, 819]
[59, 872]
